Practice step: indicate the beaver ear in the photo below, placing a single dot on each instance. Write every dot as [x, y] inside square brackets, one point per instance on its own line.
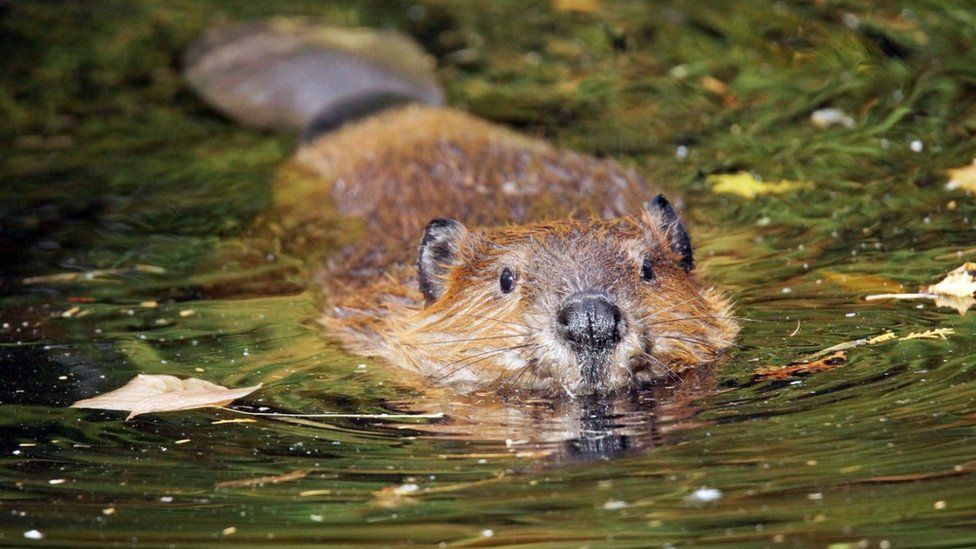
[666, 224]
[438, 253]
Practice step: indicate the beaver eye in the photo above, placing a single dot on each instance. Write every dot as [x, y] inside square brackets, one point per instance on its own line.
[647, 270]
[507, 280]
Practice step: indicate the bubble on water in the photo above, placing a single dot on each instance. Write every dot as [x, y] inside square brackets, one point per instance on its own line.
[615, 504]
[705, 494]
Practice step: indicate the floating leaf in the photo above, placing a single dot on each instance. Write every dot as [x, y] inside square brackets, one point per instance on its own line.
[583, 6]
[160, 393]
[963, 178]
[957, 290]
[862, 282]
[959, 282]
[745, 185]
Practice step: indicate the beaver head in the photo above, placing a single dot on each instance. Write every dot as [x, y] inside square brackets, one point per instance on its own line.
[568, 306]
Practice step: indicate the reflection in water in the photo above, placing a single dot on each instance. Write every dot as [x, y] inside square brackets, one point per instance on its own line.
[572, 430]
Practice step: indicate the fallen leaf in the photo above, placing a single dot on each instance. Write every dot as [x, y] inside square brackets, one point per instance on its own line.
[960, 304]
[959, 282]
[260, 481]
[161, 393]
[862, 282]
[962, 178]
[957, 290]
[584, 6]
[747, 186]
[719, 89]
[829, 362]
[713, 85]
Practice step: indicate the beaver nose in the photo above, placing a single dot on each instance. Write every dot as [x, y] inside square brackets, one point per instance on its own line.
[589, 320]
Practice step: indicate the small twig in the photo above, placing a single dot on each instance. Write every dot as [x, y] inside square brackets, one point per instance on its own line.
[899, 296]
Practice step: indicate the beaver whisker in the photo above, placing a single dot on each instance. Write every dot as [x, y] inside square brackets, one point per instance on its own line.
[626, 366]
[470, 339]
[484, 356]
[466, 365]
[710, 347]
[501, 321]
[699, 317]
[512, 380]
[668, 370]
[672, 306]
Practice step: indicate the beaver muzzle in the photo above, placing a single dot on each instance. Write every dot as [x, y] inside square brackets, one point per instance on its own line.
[591, 324]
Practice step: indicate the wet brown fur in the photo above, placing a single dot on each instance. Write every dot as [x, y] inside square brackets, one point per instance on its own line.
[561, 221]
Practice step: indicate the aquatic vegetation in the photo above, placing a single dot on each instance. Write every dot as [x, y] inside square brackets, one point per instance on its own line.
[121, 189]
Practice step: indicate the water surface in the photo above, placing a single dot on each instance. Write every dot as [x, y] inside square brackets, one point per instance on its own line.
[110, 164]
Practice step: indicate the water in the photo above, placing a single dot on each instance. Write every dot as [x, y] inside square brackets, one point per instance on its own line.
[110, 164]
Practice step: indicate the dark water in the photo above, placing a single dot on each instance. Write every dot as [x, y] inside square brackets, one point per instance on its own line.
[108, 163]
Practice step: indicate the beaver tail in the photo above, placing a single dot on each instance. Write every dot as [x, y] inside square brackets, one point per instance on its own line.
[290, 74]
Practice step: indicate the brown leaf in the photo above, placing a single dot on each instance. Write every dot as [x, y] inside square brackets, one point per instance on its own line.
[797, 369]
[862, 282]
[160, 393]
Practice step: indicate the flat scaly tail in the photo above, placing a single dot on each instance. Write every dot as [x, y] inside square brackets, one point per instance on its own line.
[291, 74]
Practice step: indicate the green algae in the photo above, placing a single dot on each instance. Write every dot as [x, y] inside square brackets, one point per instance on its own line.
[109, 162]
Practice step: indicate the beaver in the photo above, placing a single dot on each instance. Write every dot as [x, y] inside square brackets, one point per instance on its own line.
[484, 260]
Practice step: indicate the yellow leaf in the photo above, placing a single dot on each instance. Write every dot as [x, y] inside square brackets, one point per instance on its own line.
[862, 282]
[585, 6]
[745, 185]
[962, 178]
[160, 393]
